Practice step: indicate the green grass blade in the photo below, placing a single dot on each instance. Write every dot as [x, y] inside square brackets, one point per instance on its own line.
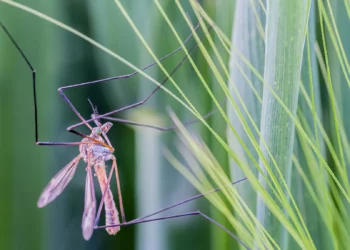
[248, 40]
[310, 93]
[223, 13]
[334, 28]
[285, 37]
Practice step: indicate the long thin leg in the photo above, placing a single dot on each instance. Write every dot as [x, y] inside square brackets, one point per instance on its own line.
[139, 103]
[35, 99]
[65, 98]
[127, 75]
[176, 204]
[173, 127]
[119, 190]
[157, 127]
[144, 218]
[187, 200]
[179, 216]
[225, 229]
[70, 104]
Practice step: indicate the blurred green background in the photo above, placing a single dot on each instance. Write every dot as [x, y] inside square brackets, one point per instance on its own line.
[148, 181]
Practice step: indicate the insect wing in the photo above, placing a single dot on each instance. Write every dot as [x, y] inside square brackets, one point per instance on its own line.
[89, 206]
[58, 183]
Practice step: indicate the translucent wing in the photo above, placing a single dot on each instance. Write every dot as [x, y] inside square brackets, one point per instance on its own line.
[88, 221]
[58, 183]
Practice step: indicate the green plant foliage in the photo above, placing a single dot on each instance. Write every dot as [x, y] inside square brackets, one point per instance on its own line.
[276, 74]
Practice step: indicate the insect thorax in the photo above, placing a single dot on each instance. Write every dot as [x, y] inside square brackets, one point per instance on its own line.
[94, 151]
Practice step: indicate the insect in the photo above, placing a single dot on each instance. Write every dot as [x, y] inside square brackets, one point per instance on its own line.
[94, 155]
[95, 150]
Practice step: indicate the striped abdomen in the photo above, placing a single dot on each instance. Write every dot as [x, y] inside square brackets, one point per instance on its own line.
[112, 215]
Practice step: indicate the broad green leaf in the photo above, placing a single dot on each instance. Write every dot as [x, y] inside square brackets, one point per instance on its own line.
[286, 24]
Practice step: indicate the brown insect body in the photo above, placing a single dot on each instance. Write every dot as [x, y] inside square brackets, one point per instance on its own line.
[97, 155]
[112, 215]
[95, 152]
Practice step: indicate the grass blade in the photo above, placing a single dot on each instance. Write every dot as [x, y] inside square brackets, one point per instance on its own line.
[286, 25]
[248, 41]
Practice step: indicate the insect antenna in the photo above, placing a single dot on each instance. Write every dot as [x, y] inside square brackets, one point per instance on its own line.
[95, 113]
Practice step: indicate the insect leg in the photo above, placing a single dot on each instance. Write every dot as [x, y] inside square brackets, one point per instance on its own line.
[143, 101]
[65, 98]
[35, 98]
[172, 127]
[145, 219]
[184, 215]
[188, 200]
[115, 166]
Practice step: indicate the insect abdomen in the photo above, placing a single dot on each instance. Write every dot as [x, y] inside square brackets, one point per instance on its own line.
[112, 215]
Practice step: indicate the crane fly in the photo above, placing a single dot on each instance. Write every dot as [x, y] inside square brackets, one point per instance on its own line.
[95, 149]
[94, 155]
